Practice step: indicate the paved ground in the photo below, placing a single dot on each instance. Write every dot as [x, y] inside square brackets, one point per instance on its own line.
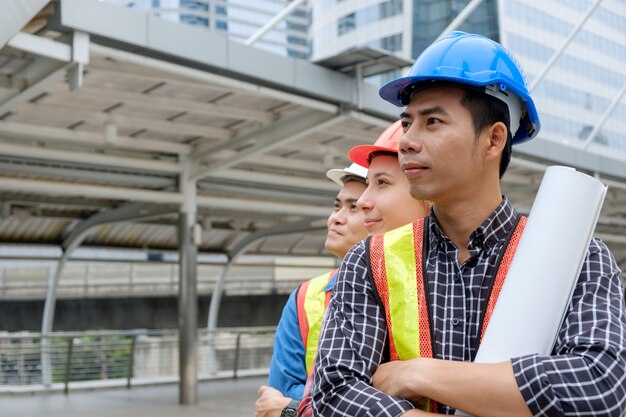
[218, 398]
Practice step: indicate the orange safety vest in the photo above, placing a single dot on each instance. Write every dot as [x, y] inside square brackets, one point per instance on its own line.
[311, 301]
[398, 272]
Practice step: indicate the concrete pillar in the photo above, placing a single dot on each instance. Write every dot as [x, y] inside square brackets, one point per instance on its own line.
[187, 291]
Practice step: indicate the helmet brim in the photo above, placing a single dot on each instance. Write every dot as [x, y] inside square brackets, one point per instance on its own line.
[337, 175]
[361, 154]
[395, 92]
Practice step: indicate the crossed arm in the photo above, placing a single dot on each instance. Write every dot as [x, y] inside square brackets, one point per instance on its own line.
[585, 375]
[480, 389]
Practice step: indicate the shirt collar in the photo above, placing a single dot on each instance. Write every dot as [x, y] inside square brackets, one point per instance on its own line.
[495, 228]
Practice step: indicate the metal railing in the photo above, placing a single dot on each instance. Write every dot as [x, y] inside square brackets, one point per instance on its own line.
[98, 279]
[110, 358]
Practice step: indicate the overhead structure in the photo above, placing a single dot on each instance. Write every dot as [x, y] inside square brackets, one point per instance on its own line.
[104, 108]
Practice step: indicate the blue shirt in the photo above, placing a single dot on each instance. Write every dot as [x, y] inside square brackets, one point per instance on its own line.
[288, 367]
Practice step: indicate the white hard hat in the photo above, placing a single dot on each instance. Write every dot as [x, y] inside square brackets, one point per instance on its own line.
[337, 175]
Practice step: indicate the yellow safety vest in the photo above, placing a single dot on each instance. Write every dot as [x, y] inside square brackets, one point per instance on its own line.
[397, 269]
[311, 302]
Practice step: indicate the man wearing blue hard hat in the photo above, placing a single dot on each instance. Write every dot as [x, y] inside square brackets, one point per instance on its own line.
[401, 342]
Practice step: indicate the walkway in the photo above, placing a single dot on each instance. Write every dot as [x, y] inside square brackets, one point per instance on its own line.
[220, 398]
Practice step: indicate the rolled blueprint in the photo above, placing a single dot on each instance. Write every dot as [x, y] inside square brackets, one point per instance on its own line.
[544, 270]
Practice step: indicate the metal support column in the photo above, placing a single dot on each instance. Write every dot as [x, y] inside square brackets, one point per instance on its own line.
[187, 290]
[214, 308]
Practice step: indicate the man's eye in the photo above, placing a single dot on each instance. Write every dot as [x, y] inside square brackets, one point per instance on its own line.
[433, 121]
[405, 125]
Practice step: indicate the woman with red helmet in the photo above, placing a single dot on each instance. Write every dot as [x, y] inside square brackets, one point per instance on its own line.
[387, 187]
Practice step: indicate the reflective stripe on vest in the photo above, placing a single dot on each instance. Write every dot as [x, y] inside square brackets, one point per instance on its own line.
[311, 301]
[398, 274]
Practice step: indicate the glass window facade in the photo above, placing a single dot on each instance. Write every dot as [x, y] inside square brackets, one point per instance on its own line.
[367, 15]
[580, 131]
[589, 73]
[612, 19]
[391, 43]
[239, 19]
[221, 25]
[579, 5]
[346, 24]
[194, 5]
[573, 96]
[194, 20]
[301, 27]
[536, 17]
[430, 18]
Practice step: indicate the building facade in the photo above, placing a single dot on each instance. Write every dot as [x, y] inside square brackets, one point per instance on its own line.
[576, 93]
[584, 88]
[239, 19]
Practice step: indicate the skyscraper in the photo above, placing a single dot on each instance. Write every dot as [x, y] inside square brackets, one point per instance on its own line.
[576, 92]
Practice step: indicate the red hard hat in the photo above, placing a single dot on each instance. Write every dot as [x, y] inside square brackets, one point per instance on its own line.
[388, 141]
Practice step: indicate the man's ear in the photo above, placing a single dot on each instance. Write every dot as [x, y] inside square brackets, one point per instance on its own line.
[495, 141]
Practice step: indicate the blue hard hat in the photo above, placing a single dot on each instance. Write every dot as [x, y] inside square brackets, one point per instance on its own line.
[476, 61]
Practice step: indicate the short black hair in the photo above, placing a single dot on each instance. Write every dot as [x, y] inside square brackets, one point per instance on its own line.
[485, 111]
[351, 177]
[380, 153]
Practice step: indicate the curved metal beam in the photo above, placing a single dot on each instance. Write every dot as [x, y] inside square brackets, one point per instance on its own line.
[70, 242]
[306, 225]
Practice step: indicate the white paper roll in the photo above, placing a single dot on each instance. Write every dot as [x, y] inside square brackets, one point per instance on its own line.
[545, 267]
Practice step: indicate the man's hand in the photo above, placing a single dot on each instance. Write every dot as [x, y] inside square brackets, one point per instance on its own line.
[416, 413]
[398, 378]
[481, 389]
[270, 402]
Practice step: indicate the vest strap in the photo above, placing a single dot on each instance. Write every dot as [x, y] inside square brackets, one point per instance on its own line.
[398, 270]
[311, 302]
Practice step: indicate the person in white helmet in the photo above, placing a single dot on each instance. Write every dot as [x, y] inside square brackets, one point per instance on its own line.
[296, 337]
[407, 313]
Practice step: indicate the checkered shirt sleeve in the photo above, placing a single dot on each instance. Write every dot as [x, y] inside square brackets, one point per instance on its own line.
[586, 375]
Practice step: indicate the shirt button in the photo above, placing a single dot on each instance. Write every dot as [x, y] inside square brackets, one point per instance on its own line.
[455, 321]
[457, 277]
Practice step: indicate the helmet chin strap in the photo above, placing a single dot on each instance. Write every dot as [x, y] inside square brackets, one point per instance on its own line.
[512, 102]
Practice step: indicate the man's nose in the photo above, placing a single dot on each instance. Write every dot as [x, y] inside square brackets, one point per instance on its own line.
[409, 143]
[339, 217]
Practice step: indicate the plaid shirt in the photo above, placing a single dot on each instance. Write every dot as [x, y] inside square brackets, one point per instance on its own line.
[584, 376]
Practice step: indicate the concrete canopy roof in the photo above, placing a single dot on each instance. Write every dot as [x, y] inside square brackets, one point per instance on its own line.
[101, 106]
